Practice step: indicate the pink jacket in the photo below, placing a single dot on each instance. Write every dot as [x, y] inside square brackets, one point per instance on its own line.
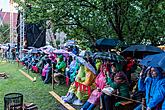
[100, 83]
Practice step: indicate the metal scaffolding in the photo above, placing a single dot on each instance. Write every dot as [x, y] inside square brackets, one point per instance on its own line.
[22, 33]
[11, 26]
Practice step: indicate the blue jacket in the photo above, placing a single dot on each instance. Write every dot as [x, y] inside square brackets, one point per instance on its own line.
[149, 86]
[159, 95]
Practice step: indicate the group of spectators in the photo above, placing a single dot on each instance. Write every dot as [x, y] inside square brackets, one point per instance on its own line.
[109, 87]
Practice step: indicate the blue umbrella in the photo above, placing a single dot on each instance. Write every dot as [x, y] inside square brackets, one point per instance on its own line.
[158, 61]
[145, 61]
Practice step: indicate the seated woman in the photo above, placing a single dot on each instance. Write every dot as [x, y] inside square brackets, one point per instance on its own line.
[158, 100]
[120, 86]
[149, 84]
[94, 98]
[46, 71]
[60, 69]
[76, 95]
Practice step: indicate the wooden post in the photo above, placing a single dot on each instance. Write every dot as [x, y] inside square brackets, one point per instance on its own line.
[28, 67]
[18, 62]
[143, 103]
[52, 77]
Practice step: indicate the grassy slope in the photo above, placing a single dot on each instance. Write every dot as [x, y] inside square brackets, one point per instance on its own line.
[35, 92]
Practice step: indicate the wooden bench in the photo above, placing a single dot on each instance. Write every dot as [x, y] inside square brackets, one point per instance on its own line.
[57, 97]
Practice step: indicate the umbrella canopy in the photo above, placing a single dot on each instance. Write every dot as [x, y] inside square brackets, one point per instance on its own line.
[88, 65]
[108, 56]
[85, 53]
[145, 61]
[70, 43]
[139, 51]
[34, 50]
[107, 42]
[157, 60]
[64, 52]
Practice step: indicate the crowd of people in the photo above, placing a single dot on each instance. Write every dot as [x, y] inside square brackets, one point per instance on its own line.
[113, 82]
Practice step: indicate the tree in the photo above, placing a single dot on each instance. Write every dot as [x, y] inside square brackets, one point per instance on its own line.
[4, 33]
[131, 21]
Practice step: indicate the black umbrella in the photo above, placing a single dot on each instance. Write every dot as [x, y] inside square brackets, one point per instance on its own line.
[107, 42]
[139, 51]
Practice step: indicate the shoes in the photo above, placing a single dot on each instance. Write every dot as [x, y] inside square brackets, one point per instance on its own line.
[69, 98]
[63, 97]
[77, 102]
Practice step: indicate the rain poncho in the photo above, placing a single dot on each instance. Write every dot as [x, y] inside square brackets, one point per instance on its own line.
[100, 84]
[98, 64]
[60, 66]
[149, 85]
[73, 69]
[81, 74]
[88, 81]
[122, 87]
[159, 95]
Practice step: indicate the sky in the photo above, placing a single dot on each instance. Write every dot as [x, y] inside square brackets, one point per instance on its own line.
[5, 6]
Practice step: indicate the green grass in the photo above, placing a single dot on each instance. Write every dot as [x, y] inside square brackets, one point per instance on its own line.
[35, 92]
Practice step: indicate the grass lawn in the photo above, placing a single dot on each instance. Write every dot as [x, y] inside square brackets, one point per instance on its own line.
[35, 92]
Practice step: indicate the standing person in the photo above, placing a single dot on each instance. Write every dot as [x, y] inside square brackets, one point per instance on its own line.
[13, 52]
[8, 51]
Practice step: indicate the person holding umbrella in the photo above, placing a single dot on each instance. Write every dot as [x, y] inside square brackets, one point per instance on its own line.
[149, 84]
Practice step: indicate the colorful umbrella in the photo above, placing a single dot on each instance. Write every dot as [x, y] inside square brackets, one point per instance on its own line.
[108, 56]
[88, 65]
